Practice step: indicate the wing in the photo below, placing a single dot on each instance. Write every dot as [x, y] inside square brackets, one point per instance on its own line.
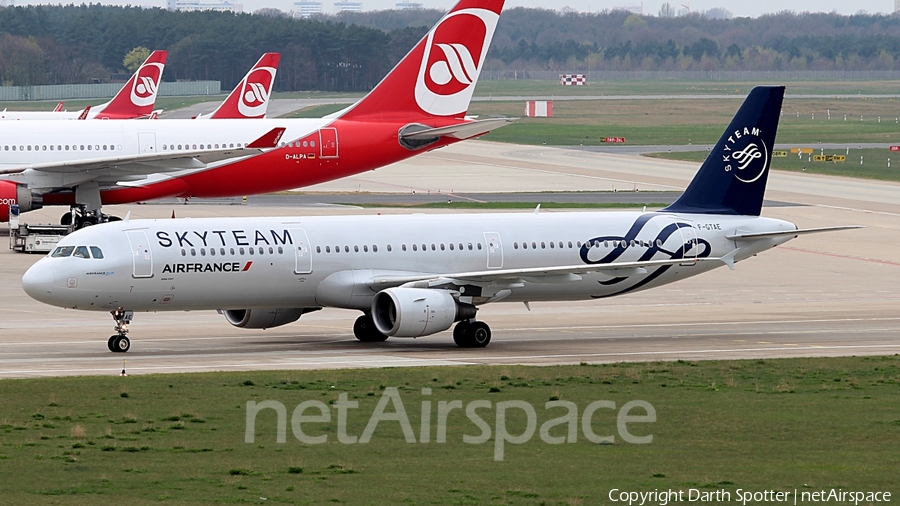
[146, 163]
[512, 278]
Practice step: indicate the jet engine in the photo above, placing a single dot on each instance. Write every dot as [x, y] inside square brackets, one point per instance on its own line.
[415, 312]
[14, 193]
[263, 318]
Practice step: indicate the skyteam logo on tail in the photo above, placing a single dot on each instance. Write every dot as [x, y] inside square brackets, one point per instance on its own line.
[454, 53]
[255, 91]
[145, 84]
[746, 155]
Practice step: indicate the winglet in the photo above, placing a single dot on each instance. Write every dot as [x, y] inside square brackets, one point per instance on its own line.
[268, 140]
[59, 107]
[537, 209]
[84, 113]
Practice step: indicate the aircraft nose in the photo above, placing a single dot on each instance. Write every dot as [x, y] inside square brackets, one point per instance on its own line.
[38, 281]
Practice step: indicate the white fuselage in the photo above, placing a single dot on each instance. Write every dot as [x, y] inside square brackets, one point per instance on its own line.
[28, 143]
[308, 262]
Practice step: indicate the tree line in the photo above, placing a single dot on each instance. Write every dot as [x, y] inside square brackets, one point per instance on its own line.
[353, 51]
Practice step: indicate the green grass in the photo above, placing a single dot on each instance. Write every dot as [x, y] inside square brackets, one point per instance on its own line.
[179, 439]
[874, 164]
[679, 87]
[464, 204]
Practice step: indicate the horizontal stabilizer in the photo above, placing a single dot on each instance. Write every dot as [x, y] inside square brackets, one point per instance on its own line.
[268, 140]
[459, 130]
[782, 233]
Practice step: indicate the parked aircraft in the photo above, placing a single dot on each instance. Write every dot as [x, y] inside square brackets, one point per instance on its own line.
[134, 100]
[420, 105]
[415, 275]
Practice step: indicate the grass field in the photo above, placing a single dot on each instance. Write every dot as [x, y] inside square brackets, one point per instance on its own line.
[682, 122]
[677, 87]
[808, 424]
[874, 164]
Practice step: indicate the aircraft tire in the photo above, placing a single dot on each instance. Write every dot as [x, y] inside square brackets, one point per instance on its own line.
[478, 334]
[121, 344]
[460, 336]
[110, 343]
[365, 331]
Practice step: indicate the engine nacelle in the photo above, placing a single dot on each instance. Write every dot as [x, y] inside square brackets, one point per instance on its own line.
[15, 193]
[263, 318]
[415, 312]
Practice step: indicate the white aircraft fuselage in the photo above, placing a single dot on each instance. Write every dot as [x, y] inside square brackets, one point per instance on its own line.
[332, 261]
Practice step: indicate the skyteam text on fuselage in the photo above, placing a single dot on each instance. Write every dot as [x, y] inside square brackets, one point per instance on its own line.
[416, 275]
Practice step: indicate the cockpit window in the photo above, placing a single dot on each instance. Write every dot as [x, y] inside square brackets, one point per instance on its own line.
[81, 252]
[63, 251]
[96, 252]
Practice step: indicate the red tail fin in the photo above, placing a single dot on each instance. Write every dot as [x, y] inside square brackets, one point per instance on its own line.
[137, 97]
[436, 78]
[84, 113]
[59, 107]
[250, 97]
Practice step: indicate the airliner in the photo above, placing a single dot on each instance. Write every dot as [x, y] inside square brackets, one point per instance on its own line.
[134, 100]
[416, 275]
[420, 105]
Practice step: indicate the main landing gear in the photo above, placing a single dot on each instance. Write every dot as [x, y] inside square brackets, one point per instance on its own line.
[365, 330]
[472, 334]
[80, 217]
[119, 343]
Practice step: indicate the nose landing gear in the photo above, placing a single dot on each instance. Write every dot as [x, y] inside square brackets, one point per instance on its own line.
[119, 343]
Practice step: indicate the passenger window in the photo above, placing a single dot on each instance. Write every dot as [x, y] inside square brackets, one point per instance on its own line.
[479, 246]
[212, 252]
[271, 250]
[346, 249]
[327, 249]
[318, 249]
[442, 246]
[424, 247]
[281, 250]
[203, 252]
[403, 247]
[63, 251]
[251, 250]
[551, 245]
[374, 248]
[470, 246]
[389, 248]
[222, 251]
[533, 245]
[232, 251]
[433, 248]
[365, 248]
[658, 243]
[543, 246]
[515, 245]
[451, 246]
[193, 252]
[415, 247]
[183, 252]
[570, 244]
[524, 245]
[356, 249]
[241, 251]
[96, 252]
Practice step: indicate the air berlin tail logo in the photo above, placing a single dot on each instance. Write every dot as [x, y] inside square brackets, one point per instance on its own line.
[454, 53]
[254, 92]
[146, 84]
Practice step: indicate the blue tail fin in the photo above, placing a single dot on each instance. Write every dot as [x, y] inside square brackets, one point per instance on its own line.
[732, 180]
